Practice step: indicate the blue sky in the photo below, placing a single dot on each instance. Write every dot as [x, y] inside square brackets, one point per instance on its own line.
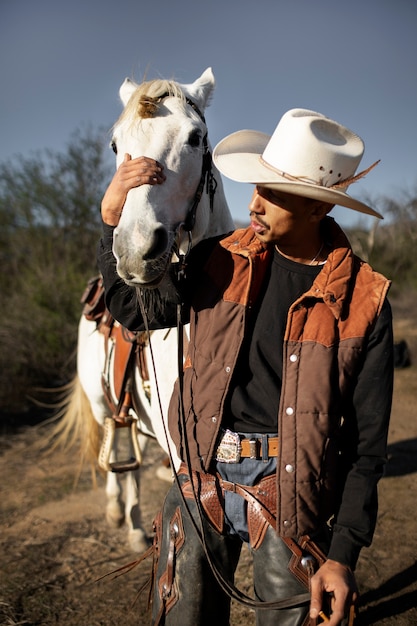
[61, 65]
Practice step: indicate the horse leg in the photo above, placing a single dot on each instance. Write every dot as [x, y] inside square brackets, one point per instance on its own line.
[114, 509]
[138, 538]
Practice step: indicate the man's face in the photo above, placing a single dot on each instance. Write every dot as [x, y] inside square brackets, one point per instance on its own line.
[282, 218]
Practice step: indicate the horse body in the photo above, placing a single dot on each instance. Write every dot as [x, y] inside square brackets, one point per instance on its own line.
[163, 120]
[91, 404]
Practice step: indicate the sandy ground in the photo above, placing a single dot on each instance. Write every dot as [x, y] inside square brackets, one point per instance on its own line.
[55, 542]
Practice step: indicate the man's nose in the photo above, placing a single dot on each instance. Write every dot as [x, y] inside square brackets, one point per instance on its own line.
[255, 205]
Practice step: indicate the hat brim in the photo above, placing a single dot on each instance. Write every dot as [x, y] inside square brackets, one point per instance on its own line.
[237, 156]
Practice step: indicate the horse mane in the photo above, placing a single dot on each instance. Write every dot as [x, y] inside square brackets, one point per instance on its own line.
[145, 100]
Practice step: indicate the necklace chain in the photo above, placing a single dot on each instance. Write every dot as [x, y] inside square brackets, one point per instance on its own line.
[318, 254]
[313, 260]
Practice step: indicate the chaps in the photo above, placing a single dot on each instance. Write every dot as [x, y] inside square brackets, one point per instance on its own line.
[186, 592]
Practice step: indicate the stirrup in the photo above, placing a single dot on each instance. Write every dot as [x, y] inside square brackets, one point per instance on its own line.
[129, 465]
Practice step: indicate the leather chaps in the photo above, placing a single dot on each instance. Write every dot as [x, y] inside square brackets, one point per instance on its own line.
[186, 592]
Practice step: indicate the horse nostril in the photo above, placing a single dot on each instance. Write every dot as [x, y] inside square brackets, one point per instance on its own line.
[158, 244]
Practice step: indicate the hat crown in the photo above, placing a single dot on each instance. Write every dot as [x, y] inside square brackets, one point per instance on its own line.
[313, 148]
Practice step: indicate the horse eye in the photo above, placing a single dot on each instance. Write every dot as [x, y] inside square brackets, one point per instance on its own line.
[194, 139]
[113, 146]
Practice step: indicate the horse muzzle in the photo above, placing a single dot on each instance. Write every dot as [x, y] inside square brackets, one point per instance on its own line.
[142, 259]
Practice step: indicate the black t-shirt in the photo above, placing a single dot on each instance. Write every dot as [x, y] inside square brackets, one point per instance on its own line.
[253, 401]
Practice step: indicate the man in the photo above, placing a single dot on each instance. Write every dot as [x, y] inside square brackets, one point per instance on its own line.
[283, 410]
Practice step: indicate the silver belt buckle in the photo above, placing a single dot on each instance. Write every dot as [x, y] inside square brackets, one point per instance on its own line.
[229, 448]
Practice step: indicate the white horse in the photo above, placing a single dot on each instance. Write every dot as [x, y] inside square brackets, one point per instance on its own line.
[163, 120]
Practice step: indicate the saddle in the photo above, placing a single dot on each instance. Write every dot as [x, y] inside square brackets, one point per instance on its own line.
[124, 351]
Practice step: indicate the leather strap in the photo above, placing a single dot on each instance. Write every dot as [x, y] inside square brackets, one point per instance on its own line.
[121, 344]
[167, 588]
[252, 448]
[124, 343]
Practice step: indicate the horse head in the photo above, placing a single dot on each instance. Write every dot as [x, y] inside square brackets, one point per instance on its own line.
[165, 120]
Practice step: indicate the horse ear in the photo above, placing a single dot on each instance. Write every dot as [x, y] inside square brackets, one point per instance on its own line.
[126, 90]
[201, 90]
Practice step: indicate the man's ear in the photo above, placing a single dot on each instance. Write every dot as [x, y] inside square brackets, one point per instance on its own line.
[320, 210]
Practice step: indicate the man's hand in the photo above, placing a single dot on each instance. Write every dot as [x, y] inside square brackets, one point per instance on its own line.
[337, 580]
[131, 173]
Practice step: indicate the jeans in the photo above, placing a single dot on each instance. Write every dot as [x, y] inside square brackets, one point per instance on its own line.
[246, 472]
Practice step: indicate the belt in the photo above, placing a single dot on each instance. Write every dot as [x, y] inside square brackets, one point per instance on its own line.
[232, 447]
[252, 448]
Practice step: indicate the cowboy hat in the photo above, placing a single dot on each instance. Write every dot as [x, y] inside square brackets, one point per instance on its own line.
[308, 155]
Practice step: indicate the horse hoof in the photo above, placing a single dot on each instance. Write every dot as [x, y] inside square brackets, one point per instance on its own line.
[165, 473]
[138, 540]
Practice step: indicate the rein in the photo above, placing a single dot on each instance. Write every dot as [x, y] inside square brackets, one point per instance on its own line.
[231, 590]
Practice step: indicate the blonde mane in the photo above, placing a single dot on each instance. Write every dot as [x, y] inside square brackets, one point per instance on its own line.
[145, 100]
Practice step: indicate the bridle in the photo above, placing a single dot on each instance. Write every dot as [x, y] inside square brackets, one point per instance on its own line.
[206, 177]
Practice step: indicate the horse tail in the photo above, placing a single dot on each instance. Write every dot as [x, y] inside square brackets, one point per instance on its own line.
[74, 424]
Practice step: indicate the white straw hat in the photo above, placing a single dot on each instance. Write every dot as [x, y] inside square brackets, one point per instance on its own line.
[308, 155]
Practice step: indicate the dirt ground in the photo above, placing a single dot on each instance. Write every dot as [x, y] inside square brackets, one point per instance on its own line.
[55, 542]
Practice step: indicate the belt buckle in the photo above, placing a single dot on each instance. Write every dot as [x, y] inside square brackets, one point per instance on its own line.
[229, 448]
